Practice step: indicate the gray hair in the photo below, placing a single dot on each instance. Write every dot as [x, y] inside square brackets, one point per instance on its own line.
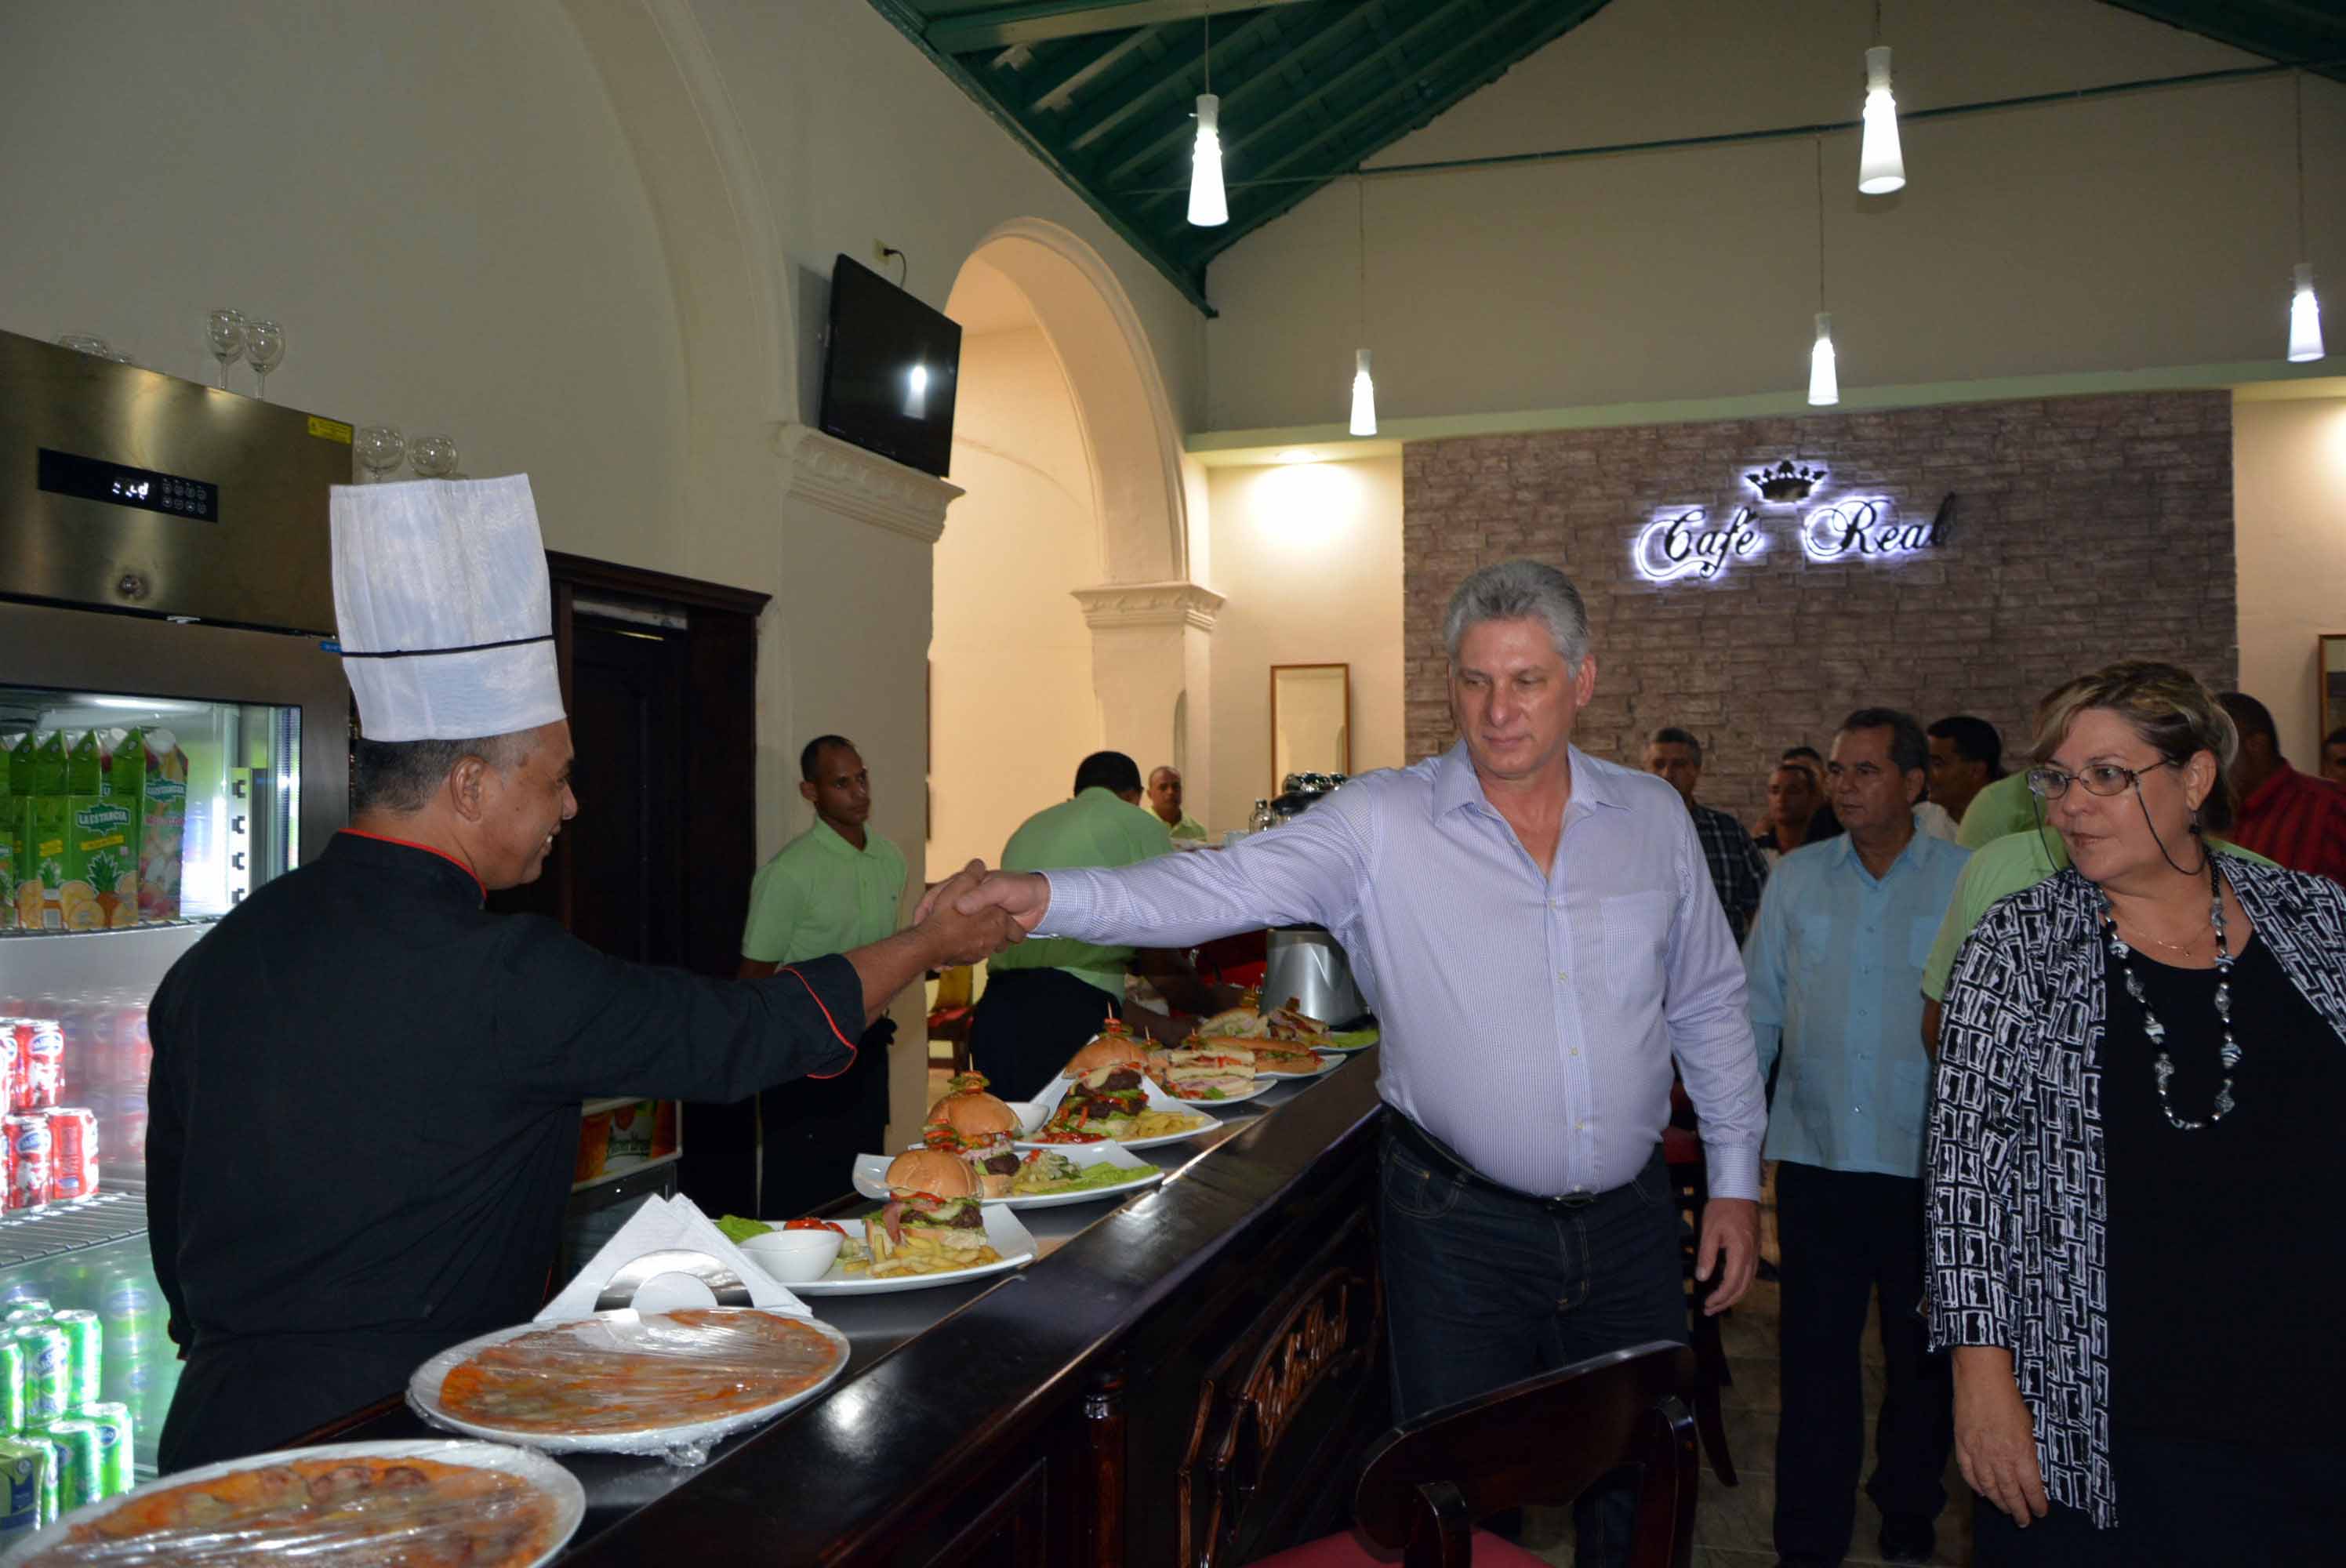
[1520, 590]
[1910, 748]
[401, 776]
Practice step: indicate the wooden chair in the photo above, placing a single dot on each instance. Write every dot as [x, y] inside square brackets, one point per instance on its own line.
[949, 1019]
[1541, 1442]
[1682, 1151]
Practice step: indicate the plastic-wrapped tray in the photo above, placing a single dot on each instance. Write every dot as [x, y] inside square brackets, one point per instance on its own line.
[872, 1176]
[716, 1350]
[320, 1538]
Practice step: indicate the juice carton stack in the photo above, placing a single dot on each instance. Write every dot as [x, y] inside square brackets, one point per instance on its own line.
[93, 825]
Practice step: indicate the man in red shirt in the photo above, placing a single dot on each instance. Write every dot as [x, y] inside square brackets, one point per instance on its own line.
[2287, 816]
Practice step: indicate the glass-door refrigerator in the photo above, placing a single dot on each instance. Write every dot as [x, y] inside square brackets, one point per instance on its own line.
[172, 735]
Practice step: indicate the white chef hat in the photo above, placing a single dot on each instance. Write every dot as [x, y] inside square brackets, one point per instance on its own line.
[442, 607]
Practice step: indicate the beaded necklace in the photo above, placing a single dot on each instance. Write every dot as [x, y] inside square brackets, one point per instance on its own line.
[2229, 1054]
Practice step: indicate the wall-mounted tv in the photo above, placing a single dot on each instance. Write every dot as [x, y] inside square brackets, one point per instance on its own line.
[889, 372]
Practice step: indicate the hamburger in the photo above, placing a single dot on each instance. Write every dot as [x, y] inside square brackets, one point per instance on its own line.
[1290, 1023]
[931, 1215]
[978, 1129]
[1210, 1070]
[1113, 1046]
[1281, 1056]
[1105, 1102]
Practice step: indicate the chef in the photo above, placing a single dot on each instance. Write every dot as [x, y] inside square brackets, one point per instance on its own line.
[366, 1086]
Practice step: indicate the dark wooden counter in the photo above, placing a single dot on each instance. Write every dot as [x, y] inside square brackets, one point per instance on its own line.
[1187, 1377]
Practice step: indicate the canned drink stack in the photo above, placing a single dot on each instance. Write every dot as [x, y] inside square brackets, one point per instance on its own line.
[24, 1480]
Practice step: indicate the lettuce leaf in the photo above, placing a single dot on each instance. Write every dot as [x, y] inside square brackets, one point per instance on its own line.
[737, 1230]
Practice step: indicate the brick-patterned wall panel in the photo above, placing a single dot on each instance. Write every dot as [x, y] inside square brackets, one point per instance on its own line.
[2087, 529]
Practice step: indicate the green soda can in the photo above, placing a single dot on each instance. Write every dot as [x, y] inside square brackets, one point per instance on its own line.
[85, 1340]
[114, 1446]
[48, 1371]
[13, 1417]
[81, 1462]
[23, 1478]
[30, 1309]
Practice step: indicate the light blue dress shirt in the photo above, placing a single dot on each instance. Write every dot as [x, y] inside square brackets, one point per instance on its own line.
[1835, 971]
[1530, 1013]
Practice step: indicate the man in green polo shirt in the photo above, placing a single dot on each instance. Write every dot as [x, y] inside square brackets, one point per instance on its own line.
[1999, 811]
[2011, 864]
[1165, 800]
[1044, 998]
[837, 882]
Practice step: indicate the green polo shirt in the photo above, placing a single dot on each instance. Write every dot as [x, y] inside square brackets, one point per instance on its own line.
[1098, 827]
[1188, 828]
[2012, 864]
[821, 894]
[1999, 810]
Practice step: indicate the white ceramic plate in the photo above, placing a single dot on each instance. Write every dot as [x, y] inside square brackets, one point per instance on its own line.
[423, 1393]
[1032, 1114]
[1328, 1063]
[1010, 1239]
[1330, 1045]
[872, 1176]
[569, 1497]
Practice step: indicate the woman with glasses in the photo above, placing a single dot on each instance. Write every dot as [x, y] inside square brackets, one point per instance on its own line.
[2133, 1255]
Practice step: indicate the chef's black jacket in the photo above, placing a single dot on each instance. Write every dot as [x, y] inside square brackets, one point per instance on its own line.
[364, 1119]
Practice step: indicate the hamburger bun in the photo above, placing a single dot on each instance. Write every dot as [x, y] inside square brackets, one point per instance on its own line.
[1104, 1050]
[975, 1116]
[933, 1172]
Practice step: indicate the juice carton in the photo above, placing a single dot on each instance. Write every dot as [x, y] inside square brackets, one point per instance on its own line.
[163, 808]
[40, 868]
[11, 829]
[85, 765]
[99, 888]
[631, 1131]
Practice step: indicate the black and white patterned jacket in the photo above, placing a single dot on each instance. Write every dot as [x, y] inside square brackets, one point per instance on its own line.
[2015, 1160]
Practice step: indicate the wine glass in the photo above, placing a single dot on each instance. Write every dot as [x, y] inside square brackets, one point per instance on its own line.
[433, 456]
[85, 343]
[381, 450]
[224, 331]
[264, 346]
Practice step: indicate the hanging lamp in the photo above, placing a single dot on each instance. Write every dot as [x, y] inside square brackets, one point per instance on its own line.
[1208, 207]
[2304, 310]
[1364, 386]
[1881, 166]
[1824, 381]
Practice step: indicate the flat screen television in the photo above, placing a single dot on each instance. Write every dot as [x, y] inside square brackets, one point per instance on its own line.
[889, 371]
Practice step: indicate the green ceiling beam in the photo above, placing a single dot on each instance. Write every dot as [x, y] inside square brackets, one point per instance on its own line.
[902, 16]
[1178, 86]
[1040, 21]
[1060, 96]
[2276, 29]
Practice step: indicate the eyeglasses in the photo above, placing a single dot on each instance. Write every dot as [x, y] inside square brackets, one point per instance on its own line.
[2099, 777]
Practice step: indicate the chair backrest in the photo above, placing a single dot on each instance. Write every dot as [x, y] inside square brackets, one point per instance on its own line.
[954, 985]
[1541, 1441]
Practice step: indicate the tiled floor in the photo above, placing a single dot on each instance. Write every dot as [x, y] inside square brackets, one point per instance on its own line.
[1733, 1526]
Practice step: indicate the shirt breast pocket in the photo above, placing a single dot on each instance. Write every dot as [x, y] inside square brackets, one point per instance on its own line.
[1813, 942]
[1637, 930]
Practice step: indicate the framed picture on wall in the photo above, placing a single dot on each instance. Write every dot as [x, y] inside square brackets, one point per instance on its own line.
[2330, 695]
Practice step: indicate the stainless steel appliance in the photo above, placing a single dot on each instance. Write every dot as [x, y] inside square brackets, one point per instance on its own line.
[164, 588]
[1304, 963]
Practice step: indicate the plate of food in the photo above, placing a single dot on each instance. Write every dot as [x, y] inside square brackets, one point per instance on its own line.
[1281, 1059]
[1346, 1039]
[629, 1381]
[1119, 1103]
[934, 1230]
[423, 1502]
[1046, 1178]
[1210, 1072]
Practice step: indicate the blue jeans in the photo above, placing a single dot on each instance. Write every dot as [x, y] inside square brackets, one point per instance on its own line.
[1484, 1287]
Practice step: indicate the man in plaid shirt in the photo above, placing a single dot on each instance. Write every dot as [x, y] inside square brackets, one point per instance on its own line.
[2283, 815]
[1738, 870]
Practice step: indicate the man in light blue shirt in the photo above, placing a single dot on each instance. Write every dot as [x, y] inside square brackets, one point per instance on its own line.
[1538, 933]
[1835, 968]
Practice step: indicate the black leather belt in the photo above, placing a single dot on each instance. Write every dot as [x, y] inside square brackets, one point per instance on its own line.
[1444, 1159]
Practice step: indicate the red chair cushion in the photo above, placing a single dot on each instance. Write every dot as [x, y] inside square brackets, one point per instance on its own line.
[1680, 1147]
[1349, 1551]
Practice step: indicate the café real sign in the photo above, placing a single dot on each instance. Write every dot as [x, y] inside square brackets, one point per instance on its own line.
[1682, 542]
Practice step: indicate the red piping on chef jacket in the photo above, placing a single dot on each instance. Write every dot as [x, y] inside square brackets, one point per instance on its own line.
[411, 844]
[827, 1018]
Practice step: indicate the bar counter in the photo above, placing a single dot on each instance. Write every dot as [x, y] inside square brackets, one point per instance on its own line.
[1187, 1376]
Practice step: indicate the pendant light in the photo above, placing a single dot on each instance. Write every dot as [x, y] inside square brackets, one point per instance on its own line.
[1824, 382]
[2304, 310]
[1209, 208]
[1364, 386]
[1881, 167]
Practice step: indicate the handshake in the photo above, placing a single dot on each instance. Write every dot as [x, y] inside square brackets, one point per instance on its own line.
[976, 913]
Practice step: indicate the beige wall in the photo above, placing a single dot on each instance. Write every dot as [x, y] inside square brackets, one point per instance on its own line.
[2289, 482]
[1014, 704]
[1310, 556]
[2139, 231]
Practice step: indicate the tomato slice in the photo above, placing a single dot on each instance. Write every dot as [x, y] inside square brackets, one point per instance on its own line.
[811, 1225]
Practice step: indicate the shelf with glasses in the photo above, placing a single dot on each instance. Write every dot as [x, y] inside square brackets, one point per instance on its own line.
[28, 1234]
[627, 1165]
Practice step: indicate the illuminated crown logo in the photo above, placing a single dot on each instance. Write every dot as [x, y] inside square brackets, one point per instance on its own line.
[1786, 483]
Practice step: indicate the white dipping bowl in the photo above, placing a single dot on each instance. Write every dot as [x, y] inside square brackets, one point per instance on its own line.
[795, 1256]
